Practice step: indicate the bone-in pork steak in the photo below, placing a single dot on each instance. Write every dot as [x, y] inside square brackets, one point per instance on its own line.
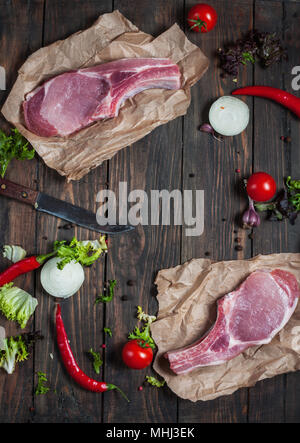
[74, 100]
[251, 315]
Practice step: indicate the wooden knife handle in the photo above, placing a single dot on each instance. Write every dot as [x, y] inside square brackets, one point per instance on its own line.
[18, 192]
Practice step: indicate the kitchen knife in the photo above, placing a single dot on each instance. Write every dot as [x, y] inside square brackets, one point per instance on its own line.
[51, 205]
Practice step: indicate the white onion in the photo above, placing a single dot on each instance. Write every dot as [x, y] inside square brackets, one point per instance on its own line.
[229, 115]
[62, 283]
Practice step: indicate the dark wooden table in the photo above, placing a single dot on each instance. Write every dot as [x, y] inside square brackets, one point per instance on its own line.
[174, 156]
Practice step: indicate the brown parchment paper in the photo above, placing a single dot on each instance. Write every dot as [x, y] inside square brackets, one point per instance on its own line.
[110, 38]
[187, 297]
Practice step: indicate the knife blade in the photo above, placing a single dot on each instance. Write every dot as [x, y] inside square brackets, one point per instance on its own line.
[58, 208]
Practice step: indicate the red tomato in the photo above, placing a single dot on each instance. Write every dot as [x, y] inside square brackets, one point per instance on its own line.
[261, 187]
[137, 354]
[202, 18]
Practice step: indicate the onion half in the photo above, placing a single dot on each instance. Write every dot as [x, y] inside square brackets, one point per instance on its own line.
[229, 116]
[62, 283]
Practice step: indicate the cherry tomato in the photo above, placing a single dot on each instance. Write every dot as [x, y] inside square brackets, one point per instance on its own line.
[137, 354]
[261, 187]
[202, 18]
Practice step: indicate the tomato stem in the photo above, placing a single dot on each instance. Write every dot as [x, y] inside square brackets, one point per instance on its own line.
[200, 23]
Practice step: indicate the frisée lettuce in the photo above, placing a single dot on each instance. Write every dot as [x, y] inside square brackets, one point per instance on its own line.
[16, 349]
[83, 252]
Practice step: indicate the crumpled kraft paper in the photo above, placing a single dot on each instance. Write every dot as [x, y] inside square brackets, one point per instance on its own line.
[187, 297]
[110, 38]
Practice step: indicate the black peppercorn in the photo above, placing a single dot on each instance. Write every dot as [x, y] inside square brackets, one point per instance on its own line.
[130, 283]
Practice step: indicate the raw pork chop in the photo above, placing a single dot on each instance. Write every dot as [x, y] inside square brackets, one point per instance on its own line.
[74, 100]
[251, 315]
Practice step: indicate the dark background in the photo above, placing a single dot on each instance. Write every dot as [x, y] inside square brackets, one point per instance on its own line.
[174, 156]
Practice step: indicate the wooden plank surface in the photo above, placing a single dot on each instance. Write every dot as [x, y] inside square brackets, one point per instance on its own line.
[174, 156]
[70, 403]
[139, 255]
[269, 156]
[20, 34]
[291, 16]
[214, 164]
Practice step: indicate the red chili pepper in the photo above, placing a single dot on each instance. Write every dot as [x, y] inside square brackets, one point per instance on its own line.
[71, 365]
[22, 267]
[286, 99]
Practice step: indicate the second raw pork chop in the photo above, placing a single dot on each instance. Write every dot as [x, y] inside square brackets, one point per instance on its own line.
[249, 316]
[74, 100]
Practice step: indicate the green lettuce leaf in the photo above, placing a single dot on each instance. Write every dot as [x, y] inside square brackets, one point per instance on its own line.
[83, 252]
[42, 387]
[110, 293]
[14, 253]
[16, 304]
[9, 354]
[17, 349]
[143, 334]
[13, 146]
[97, 360]
[154, 382]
